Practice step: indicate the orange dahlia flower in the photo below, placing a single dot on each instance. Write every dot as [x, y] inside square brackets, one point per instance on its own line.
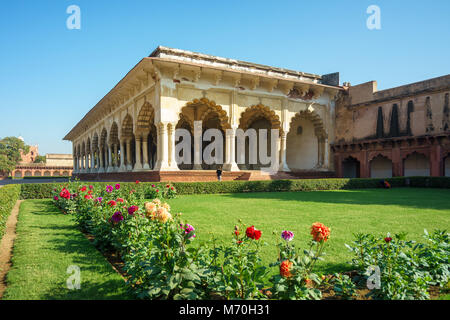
[320, 232]
[285, 269]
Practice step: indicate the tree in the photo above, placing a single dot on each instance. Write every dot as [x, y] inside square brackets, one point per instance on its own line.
[10, 153]
[40, 159]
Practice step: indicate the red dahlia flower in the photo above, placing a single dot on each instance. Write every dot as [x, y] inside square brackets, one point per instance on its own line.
[132, 210]
[253, 233]
[64, 193]
[112, 203]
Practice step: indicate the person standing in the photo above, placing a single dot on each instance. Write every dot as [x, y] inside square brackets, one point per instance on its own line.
[219, 173]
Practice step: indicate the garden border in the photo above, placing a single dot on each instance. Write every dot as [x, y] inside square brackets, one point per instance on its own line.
[44, 190]
[7, 245]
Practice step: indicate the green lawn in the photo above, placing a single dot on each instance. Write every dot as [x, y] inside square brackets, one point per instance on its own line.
[48, 243]
[376, 211]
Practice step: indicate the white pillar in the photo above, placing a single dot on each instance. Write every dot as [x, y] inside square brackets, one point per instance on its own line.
[110, 167]
[163, 155]
[230, 151]
[138, 165]
[74, 164]
[283, 162]
[198, 146]
[122, 167]
[83, 168]
[171, 147]
[320, 156]
[116, 157]
[101, 167]
[145, 152]
[92, 162]
[129, 165]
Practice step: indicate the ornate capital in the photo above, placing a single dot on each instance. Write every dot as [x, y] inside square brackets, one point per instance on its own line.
[286, 87]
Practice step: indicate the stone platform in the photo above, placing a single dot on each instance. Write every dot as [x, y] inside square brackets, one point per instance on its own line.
[200, 176]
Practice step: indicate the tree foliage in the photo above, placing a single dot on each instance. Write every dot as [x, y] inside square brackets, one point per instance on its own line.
[10, 149]
[40, 159]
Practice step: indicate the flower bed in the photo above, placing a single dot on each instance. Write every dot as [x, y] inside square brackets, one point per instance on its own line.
[160, 261]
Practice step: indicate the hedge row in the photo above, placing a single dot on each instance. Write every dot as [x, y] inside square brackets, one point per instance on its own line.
[8, 197]
[44, 190]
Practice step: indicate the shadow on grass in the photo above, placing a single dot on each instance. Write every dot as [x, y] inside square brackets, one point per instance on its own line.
[72, 244]
[438, 199]
[88, 291]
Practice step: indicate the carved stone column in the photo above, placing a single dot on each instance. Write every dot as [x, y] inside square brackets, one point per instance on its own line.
[326, 154]
[138, 165]
[145, 152]
[82, 167]
[74, 163]
[230, 151]
[171, 147]
[283, 162]
[110, 167]
[197, 145]
[115, 154]
[163, 155]
[101, 167]
[122, 167]
[129, 165]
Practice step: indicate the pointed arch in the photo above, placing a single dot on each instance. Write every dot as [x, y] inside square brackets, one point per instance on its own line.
[380, 166]
[319, 128]
[114, 133]
[256, 112]
[306, 142]
[127, 127]
[202, 109]
[145, 118]
[103, 138]
[95, 141]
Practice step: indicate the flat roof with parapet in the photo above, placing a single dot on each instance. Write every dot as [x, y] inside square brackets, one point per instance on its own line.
[235, 65]
[200, 59]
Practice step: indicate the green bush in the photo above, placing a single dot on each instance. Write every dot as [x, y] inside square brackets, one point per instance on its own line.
[8, 197]
[44, 190]
[404, 268]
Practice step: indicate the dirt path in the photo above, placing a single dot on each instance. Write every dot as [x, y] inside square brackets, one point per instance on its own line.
[6, 246]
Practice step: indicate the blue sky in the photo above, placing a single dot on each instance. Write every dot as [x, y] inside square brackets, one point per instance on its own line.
[51, 76]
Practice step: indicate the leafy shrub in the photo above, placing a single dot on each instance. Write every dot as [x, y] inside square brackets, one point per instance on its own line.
[296, 280]
[343, 286]
[8, 197]
[240, 273]
[44, 190]
[406, 268]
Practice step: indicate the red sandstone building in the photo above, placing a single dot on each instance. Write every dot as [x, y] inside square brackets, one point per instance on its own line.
[56, 165]
[403, 131]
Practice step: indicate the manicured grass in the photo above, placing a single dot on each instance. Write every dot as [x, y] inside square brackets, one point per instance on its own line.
[48, 243]
[376, 211]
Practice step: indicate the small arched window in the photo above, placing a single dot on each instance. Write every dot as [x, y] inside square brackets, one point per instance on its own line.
[299, 130]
